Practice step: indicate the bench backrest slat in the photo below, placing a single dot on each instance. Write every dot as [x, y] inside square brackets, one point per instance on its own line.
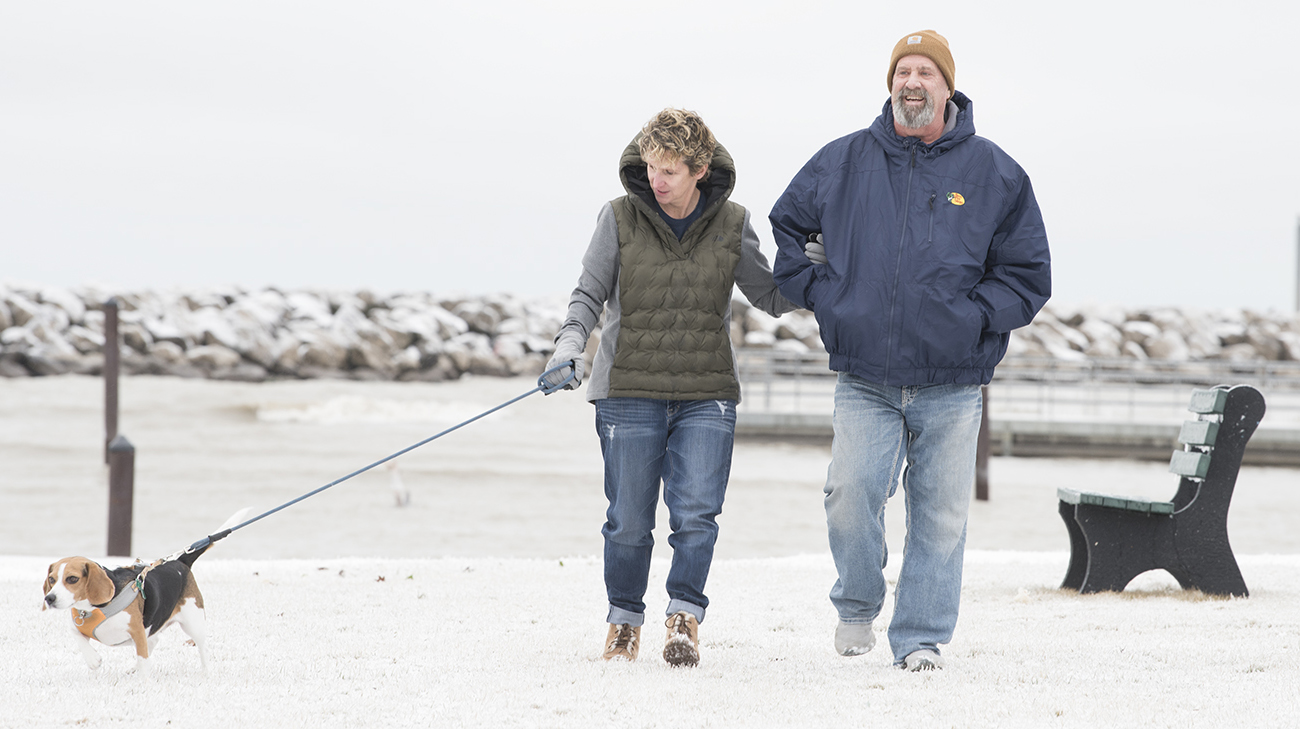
[1208, 402]
[1190, 464]
[1199, 432]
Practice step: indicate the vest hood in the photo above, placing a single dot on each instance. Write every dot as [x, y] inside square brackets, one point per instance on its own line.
[716, 186]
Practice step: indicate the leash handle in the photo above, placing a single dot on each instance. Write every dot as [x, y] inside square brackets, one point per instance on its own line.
[548, 389]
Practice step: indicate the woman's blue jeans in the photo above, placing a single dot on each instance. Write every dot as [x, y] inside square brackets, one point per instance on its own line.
[927, 435]
[687, 445]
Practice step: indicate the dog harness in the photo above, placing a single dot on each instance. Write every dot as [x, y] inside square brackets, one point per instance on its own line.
[86, 621]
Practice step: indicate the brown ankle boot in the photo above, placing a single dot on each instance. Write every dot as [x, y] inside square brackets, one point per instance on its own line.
[623, 641]
[682, 646]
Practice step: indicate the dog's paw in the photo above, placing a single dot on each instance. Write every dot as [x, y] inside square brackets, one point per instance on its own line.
[93, 661]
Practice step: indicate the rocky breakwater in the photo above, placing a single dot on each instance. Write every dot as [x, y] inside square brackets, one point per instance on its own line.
[252, 335]
[256, 334]
[1165, 334]
[1099, 332]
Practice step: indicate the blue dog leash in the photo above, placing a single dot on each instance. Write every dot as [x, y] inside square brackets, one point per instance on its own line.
[542, 387]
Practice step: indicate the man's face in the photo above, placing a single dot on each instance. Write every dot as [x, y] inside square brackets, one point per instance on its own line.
[919, 91]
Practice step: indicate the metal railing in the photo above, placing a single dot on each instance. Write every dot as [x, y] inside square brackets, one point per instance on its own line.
[1045, 389]
[773, 380]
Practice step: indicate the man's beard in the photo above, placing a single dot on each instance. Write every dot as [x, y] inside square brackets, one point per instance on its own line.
[913, 118]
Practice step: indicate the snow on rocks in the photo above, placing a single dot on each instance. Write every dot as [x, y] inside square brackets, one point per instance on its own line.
[256, 334]
[242, 334]
[1160, 333]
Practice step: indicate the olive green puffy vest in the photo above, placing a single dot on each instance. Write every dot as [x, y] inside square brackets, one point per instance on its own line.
[674, 295]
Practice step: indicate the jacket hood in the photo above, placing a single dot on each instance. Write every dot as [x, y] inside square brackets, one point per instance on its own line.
[883, 129]
[716, 186]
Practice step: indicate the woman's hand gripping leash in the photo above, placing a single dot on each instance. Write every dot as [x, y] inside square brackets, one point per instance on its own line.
[568, 359]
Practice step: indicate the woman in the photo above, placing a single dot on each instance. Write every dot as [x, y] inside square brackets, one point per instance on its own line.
[661, 265]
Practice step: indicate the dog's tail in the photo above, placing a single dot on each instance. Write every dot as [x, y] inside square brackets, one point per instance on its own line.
[188, 556]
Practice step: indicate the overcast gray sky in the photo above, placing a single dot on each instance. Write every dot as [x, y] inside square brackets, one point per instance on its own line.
[467, 147]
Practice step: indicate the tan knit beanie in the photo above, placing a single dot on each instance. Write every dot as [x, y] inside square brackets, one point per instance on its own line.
[931, 45]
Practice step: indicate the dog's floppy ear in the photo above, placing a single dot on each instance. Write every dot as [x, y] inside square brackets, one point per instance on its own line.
[47, 584]
[99, 588]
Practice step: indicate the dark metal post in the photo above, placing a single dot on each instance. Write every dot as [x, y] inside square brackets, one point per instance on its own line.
[982, 450]
[121, 495]
[112, 363]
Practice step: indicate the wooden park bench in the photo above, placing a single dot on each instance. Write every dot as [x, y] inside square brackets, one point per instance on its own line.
[1115, 538]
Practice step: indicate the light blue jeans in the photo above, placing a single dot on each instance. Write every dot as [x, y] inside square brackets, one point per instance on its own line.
[927, 435]
[687, 445]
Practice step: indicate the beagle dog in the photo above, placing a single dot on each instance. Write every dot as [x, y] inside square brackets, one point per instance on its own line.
[127, 604]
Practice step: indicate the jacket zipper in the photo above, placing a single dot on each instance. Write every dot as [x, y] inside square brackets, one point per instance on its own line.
[929, 238]
[898, 267]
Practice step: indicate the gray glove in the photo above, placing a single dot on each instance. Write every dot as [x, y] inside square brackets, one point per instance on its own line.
[568, 351]
[814, 250]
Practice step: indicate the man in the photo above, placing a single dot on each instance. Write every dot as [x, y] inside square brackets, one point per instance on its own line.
[919, 247]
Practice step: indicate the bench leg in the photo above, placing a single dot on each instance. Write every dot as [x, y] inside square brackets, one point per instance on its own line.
[1078, 549]
[1121, 545]
[1206, 563]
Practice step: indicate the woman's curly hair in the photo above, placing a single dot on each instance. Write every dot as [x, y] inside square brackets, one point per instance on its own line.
[678, 134]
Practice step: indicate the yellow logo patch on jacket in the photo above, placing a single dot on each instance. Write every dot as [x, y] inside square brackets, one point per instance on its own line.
[956, 199]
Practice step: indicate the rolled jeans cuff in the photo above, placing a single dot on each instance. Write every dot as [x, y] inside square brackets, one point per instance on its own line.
[681, 606]
[619, 616]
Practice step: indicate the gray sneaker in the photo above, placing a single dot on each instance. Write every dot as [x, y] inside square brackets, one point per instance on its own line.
[854, 639]
[922, 660]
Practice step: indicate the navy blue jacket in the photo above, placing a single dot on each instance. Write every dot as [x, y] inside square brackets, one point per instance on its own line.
[936, 252]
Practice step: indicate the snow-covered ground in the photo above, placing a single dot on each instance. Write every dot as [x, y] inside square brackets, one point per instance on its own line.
[481, 603]
[515, 642]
